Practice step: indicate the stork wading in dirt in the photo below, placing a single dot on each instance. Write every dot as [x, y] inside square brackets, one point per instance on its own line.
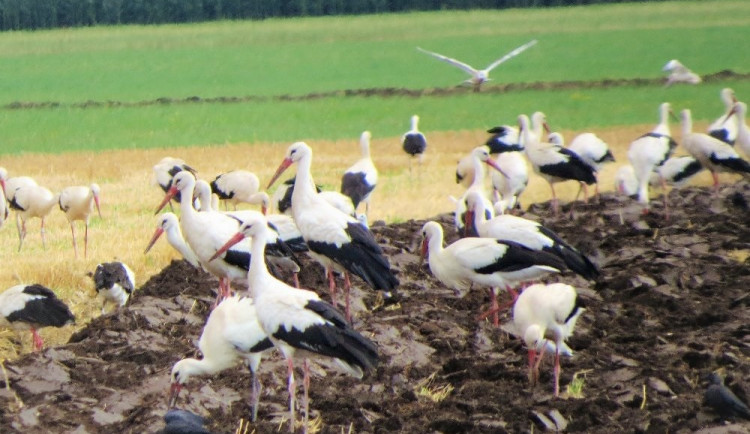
[479, 76]
[31, 307]
[232, 334]
[78, 203]
[338, 241]
[545, 313]
[298, 322]
[486, 262]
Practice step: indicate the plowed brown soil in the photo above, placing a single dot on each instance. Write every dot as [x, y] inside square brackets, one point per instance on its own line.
[671, 306]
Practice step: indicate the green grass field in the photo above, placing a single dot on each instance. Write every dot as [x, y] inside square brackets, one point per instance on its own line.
[301, 56]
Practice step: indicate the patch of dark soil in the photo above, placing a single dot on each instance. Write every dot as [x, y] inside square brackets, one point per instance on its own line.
[671, 306]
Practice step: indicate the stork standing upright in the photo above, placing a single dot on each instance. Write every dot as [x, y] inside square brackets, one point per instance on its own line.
[337, 240]
[676, 172]
[237, 186]
[554, 163]
[29, 202]
[9, 185]
[650, 151]
[739, 110]
[77, 203]
[414, 142]
[485, 261]
[30, 307]
[298, 322]
[169, 224]
[510, 183]
[232, 333]
[360, 179]
[479, 76]
[720, 129]
[166, 169]
[714, 154]
[594, 151]
[479, 155]
[546, 313]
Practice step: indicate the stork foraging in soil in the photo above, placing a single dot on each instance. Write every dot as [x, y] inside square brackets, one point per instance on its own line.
[77, 203]
[337, 240]
[238, 186]
[169, 224]
[297, 321]
[484, 261]
[30, 307]
[650, 151]
[114, 282]
[554, 163]
[28, 202]
[479, 76]
[714, 154]
[232, 333]
[413, 142]
[720, 128]
[360, 179]
[546, 313]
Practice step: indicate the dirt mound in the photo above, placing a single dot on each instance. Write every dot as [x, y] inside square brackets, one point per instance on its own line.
[671, 306]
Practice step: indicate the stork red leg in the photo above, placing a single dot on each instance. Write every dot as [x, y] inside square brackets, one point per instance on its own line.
[332, 286]
[557, 371]
[347, 290]
[291, 387]
[36, 339]
[306, 388]
[73, 231]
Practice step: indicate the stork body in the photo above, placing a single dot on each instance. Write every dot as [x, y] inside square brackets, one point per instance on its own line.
[743, 131]
[298, 322]
[232, 334]
[486, 262]
[679, 73]
[337, 240]
[676, 171]
[594, 151]
[714, 154]
[31, 201]
[546, 313]
[77, 203]
[725, 127]
[30, 307]
[413, 142]
[114, 282]
[479, 76]
[479, 156]
[360, 179]
[237, 186]
[166, 169]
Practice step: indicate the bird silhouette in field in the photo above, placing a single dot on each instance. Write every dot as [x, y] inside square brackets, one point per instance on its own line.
[726, 404]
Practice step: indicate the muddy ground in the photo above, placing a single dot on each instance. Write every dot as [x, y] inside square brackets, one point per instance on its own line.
[671, 306]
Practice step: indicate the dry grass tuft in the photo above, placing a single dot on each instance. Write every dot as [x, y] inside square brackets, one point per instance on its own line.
[129, 199]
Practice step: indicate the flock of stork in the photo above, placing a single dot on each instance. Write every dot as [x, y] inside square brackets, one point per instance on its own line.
[497, 249]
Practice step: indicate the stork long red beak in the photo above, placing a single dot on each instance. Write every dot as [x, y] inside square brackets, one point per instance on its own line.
[157, 234]
[236, 238]
[546, 127]
[98, 210]
[729, 115]
[490, 162]
[282, 167]
[468, 221]
[167, 197]
[423, 252]
[174, 393]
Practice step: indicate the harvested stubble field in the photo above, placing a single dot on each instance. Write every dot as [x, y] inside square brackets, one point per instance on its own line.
[671, 306]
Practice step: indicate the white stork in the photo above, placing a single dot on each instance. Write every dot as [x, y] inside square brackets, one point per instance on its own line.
[77, 203]
[594, 151]
[720, 129]
[9, 185]
[282, 199]
[479, 76]
[650, 151]
[739, 110]
[207, 231]
[337, 240]
[529, 234]
[114, 282]
[31, 307]
[360, 179]
[479, 155]
[546, 313]
[298, 322]
[237, 186]
[32, 201]
[714, 154]
[168, 223]
[484, 261]
[166, 169]
[232, 333]
[504, 139]
[679, 73]
[676, 171]
[554, 163]
[512, 182]
[413, 142]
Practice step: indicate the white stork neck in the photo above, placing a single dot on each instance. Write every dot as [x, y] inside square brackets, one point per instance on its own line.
[687, 123]
[257, 274]
[304, 185]
[478, 171]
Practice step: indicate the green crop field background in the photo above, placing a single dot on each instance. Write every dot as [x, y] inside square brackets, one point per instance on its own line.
[295, 57]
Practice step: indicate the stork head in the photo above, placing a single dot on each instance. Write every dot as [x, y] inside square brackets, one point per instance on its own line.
[166, 222]
[182, 181]
[181, 372]
[294, 153]
[739, 108]
[253, 227]
[96, 191]
[483, 154]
